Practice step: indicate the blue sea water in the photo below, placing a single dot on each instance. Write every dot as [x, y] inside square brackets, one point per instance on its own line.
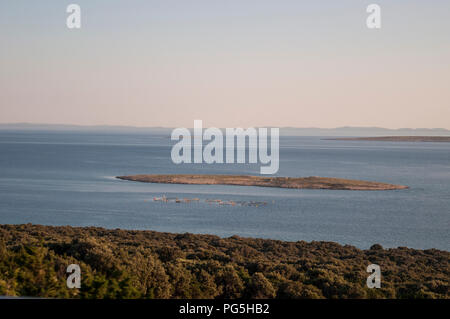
[67, 178]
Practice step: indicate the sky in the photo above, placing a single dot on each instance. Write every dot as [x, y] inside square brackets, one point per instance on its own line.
[233, 63]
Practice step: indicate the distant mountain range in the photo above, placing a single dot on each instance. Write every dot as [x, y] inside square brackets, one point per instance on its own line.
[284, 131]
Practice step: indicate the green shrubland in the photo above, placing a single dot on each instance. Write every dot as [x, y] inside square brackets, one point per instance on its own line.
[146, 264]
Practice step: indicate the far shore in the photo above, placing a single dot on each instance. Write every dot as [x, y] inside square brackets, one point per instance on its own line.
[312, 182]
[396, 138]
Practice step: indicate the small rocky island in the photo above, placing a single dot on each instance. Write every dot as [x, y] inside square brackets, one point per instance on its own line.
[312, 182]
[396, 138]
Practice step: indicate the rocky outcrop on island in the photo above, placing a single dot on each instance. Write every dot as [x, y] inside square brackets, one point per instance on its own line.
[312, 182]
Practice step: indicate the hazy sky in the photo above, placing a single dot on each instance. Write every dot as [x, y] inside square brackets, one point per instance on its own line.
[229, 63]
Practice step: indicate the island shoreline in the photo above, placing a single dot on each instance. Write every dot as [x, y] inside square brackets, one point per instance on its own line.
[311, 182]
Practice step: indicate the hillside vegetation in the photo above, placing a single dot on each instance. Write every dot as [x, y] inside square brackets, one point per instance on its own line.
[146, 264]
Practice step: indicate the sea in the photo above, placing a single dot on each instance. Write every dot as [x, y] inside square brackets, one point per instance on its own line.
[68, 178]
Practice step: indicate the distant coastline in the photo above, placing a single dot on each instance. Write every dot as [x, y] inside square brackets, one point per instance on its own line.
[312, 182]
[396, 138]
[344, 131]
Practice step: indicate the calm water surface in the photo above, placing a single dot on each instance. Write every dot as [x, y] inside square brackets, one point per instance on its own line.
[67, 178]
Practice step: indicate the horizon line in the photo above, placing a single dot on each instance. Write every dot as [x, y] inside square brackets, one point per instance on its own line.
[172, 127]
